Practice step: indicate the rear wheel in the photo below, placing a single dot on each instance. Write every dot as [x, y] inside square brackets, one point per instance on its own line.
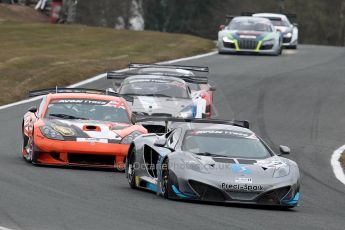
[131, 169]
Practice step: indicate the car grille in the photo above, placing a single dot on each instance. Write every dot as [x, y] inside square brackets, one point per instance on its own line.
[206, 192]
[161, 114]
[286, 40]
[229, 45]
[243, 195]
[275, 196]
[90, 159]
[249, 44]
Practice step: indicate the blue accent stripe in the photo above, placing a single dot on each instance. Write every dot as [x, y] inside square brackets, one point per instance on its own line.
[180, 194]
[151, 187]
[294, 200]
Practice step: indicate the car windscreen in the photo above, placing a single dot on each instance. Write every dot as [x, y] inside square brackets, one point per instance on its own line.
[225, 143]
[88, 109]
[279, 22]
[249, 25]
[194, 86]
[155, 87]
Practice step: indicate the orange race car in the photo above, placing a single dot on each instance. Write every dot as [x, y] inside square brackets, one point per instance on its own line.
[79, 127]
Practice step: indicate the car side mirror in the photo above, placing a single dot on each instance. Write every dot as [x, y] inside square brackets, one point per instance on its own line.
[160, 142]
[222, 27]
[212, 88]
[284, 150]
[32, 109]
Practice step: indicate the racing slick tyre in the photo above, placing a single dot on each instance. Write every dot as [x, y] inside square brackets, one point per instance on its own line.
[221, 52]
[167, 182]
[31, 155]
[25, 143]
[131, 169]
[281, 50]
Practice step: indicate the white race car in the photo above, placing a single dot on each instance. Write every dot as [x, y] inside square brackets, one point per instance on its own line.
[281, 22]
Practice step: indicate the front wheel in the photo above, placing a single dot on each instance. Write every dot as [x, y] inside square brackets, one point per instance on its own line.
[166, 180]
[28, 149]
[131, 169]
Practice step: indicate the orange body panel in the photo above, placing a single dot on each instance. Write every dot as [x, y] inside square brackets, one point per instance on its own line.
[58, 152]
[48, 145]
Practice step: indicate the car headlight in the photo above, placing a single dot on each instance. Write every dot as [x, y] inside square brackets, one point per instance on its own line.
[226, 39]
[64, 131]
[288, 35]
[281, 171]
[50, 133]
[187, 112]
[130, 137]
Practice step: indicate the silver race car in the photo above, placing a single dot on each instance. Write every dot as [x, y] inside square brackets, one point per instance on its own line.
[204, 91]
[249, 35]
[281, 22]
[161, 95]
[215, 161]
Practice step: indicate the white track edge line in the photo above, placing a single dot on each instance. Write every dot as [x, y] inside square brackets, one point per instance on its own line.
[100, 76]
[3, 228]
[337, 168]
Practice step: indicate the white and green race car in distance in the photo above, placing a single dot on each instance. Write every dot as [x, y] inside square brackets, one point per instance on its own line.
[250, 35]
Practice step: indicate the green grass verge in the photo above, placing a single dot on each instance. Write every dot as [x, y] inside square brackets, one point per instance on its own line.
[38, 55]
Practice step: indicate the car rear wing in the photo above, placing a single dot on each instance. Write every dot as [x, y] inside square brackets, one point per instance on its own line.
[189, 79]
[168, 66]
[239, 123]
[290, 16]
[41, 92]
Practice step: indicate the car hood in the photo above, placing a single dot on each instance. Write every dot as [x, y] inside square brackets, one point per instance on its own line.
[92, 128]
[159, 105]
[230, 169]
[258, 35]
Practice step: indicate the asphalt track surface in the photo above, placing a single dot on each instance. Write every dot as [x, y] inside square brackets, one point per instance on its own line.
[296, 99]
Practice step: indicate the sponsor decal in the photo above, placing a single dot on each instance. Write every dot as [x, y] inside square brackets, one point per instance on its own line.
[80, 101]
[117, 104]
[242, 187]
[238, 168]
[221, 132]
[243, 180]
[137, 181]
[92, 140]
